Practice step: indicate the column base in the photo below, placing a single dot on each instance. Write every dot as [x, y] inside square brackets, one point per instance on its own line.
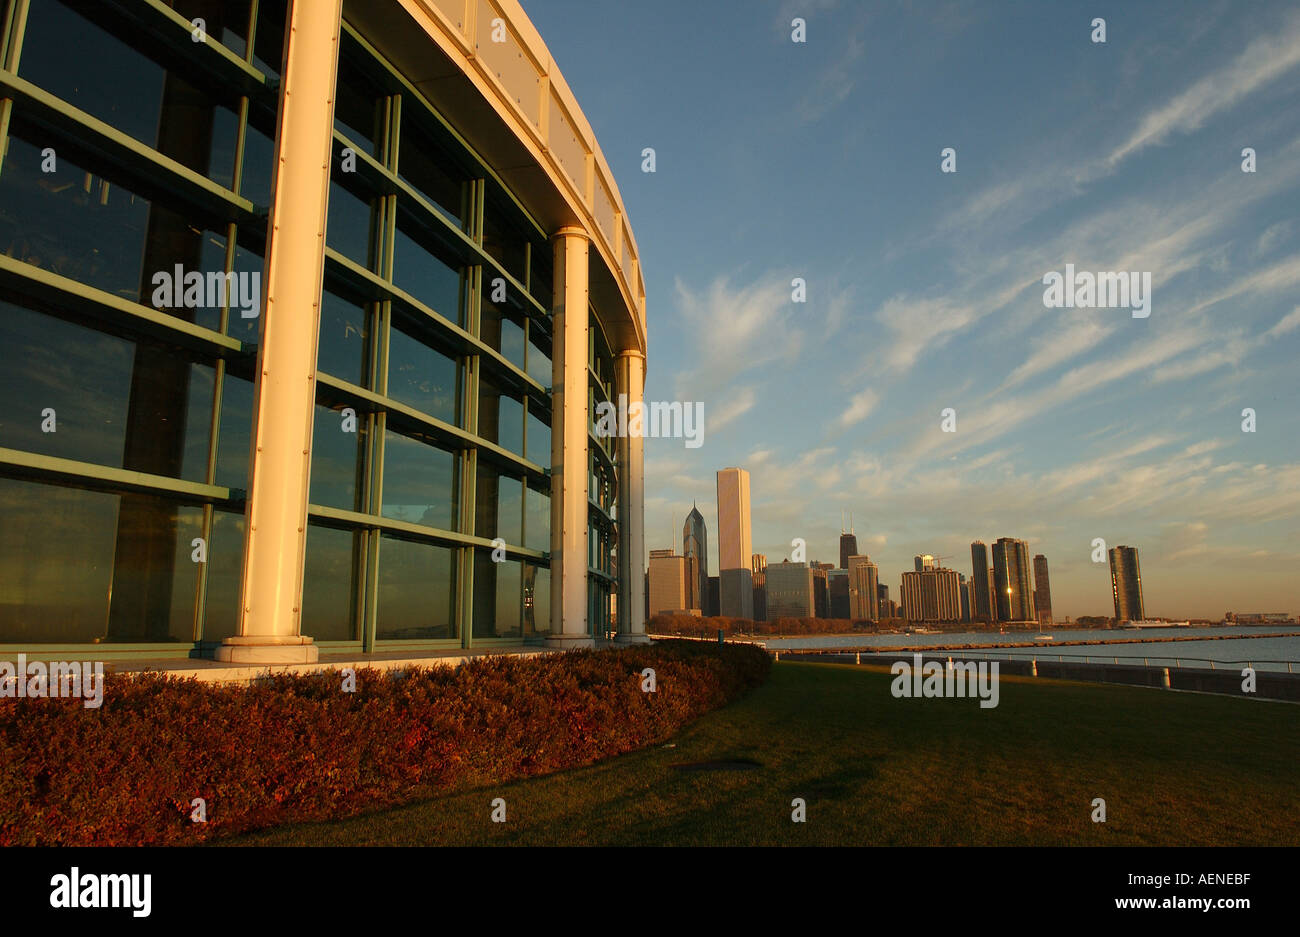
[267, 649]
[632, 639]
[569, 642]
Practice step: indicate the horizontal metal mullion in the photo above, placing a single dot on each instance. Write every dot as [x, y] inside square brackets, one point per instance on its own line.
[171, 30]
[150, 173]
[437, 534]
[374, 288]
[461, 147]
[102, 477]
[52, 289]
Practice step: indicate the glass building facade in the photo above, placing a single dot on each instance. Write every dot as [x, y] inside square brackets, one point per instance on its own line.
[140, 146]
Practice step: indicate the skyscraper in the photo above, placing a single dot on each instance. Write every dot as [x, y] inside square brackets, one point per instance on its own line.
[668, 582]
[735, 550]
[790, 591]
[864, 589]
[982, 606]
[1014, 591]
[1042, 591]
[695, 543]
[734, 547]
[848, 544]
[1126, 584]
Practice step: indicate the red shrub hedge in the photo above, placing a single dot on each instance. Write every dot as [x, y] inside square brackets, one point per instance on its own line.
[295, 748]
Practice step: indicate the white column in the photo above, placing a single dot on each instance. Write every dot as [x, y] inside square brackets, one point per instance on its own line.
[631, 508]
[275, 541]
[569, 454]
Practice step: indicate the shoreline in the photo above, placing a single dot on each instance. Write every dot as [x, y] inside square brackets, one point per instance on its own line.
[892, 648]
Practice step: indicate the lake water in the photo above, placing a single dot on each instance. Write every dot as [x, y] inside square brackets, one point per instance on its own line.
[1261, 646]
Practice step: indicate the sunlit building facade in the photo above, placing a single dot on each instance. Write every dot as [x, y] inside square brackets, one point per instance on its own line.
[1126, 584]
[305, 308]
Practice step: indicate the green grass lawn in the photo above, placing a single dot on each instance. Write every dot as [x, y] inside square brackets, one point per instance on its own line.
[1173, 768]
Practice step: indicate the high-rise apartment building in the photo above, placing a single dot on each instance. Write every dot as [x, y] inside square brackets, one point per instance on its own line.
[1042, 590]
[790, 592]
[669, 582]
[695, 543]
[983, 606]
[864, 589]
[1011, 578]
[932, 595]
[1126, 584]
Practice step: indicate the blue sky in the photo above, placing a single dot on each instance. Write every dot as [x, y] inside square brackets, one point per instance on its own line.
[822, 160]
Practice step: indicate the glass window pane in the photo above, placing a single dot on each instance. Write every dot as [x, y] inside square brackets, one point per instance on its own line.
[236, 434]
[499, 330]
[539, 359]
[225, 567]
[498, 505]
[259, 163]
[329, 584]
[537, 529]
[357, 104]
[539, 441]
[497, 597]
[56, 562]
[83, 566]
[503, 244]
[500, 417]
[348, 228]
[537, 600]
[414, 596]
[338, 447]
[419, 482]
[141, 406]
[423, 164]
[269, 45]
[344, 347]
[422, 377]
[429, 279]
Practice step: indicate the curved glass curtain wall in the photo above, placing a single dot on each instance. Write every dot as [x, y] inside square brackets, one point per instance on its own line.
[434, 409]
[124, 454]
[432, 431]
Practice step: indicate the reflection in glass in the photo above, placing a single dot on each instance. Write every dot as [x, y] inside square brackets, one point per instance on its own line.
[420, 484]
[414, 593]
[498, 505]
[497, 597]
[539, 440]
[421, 377]
[500, 332]
[225, 567]
[329, 584]
[500, 417]
[537, 530]
[430, 279]
[537, 600]
[337, 454]
[343, 348]
[348, 228]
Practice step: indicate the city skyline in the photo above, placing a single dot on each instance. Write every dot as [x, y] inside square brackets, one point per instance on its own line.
[924, 289]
